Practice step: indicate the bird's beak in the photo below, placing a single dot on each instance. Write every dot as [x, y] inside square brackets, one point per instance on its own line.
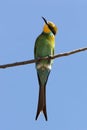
[51, 29]
[45, 20]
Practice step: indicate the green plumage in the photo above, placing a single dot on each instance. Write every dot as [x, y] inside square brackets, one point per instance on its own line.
[44, 46]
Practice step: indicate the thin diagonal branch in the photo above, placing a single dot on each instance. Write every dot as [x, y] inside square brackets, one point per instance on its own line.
[45, 58]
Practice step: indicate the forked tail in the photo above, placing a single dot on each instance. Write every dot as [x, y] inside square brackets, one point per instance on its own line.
[42, 102]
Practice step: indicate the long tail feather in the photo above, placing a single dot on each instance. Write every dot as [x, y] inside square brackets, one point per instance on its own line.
[42, 94]
[42, 102]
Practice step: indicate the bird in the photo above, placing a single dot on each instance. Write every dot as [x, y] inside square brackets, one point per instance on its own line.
[44, 47]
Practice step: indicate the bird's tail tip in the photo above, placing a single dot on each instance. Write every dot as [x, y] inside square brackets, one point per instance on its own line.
[44, 112]
[42, 103]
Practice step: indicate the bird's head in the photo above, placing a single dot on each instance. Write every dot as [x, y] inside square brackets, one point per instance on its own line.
[49, 27]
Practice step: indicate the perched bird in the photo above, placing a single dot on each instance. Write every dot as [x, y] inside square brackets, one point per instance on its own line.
[44, 46]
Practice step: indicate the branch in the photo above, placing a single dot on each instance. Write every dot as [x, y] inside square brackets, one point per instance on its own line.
[45, 58]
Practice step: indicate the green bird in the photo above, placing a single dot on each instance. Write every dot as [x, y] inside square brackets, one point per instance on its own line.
[44, 46]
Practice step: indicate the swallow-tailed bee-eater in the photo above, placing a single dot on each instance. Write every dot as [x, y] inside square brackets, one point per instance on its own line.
[44, 47]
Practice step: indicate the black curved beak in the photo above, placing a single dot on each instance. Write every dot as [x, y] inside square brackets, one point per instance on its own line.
[52, 30]
[45, 20]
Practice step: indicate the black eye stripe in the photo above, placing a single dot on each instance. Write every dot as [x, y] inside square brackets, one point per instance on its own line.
[52, 29]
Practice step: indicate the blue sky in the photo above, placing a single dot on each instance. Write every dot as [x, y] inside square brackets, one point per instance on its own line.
[20, 24]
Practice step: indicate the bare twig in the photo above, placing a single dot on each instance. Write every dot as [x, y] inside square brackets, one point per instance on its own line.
[45, 58]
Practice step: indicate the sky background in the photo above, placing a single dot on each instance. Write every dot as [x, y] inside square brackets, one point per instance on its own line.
[20, 24]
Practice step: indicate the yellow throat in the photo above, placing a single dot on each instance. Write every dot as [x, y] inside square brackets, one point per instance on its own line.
[46, 28]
